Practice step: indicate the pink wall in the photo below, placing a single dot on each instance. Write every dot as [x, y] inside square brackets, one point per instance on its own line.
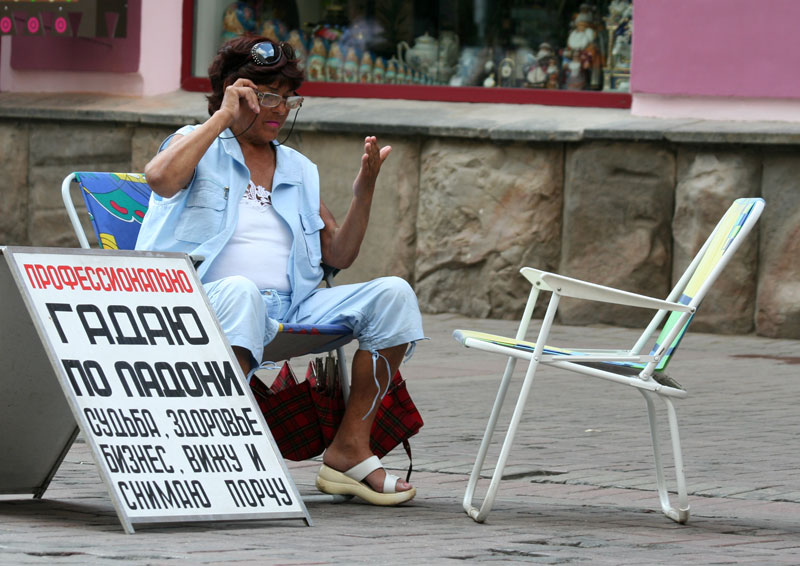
[49, 53]
[742, 48]
[147, 62]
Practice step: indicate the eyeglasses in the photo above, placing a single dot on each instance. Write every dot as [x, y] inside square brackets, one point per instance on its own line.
[266, 53]
[272, 100]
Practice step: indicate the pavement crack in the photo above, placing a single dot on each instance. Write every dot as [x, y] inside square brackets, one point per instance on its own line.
[532, 474]
[55, 554]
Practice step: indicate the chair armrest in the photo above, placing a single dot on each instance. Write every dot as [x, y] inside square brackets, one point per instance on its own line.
[568, 287]
[66, 196]
[535, 277]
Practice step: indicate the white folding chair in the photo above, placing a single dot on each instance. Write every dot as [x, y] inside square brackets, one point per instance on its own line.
[627, 366]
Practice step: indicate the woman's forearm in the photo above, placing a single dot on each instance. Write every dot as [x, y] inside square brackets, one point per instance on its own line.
[172, 169]
[345, 240]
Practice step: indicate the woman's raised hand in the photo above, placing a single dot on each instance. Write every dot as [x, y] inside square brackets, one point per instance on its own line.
[371, 162]
[240, 93]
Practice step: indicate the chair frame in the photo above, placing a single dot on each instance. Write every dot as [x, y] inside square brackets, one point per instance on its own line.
[559, 286]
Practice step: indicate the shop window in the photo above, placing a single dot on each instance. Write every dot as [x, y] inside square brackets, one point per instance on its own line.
[565, 52]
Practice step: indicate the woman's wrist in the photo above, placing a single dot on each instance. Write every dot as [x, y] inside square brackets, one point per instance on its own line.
[222, 119]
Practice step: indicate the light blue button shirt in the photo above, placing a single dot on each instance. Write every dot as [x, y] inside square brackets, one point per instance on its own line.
[200, 220]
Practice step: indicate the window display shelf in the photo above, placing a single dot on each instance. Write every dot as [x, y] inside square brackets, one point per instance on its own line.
[498, 54]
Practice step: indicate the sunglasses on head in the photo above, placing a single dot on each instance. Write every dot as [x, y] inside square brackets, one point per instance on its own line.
[266, 54]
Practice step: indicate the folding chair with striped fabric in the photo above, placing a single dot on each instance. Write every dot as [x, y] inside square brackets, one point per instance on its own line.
[628, 366]
[117, 204]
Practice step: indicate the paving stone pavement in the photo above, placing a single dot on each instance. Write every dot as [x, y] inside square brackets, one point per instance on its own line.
[580, 487]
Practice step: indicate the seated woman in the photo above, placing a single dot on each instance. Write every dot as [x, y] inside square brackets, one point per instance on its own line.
[228, 191]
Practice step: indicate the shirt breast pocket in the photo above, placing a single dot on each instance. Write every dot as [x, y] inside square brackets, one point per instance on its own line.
[204, 214]
[312, 224]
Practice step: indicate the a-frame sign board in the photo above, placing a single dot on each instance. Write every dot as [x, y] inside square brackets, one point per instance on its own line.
[123, 347]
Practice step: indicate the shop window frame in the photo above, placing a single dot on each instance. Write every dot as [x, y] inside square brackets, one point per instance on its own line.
[548, 97]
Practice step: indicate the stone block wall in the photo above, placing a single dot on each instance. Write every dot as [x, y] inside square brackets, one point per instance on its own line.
[618, 204]
[458, 217]
[485, 210]
[778, 305]
[706, 181]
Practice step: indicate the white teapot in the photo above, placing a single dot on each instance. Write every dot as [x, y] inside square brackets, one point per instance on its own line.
[422, 55]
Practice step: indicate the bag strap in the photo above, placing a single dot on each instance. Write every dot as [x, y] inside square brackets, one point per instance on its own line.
[407, 446]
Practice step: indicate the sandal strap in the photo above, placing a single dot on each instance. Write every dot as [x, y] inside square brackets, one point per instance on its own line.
[363, 469]
[390, 483]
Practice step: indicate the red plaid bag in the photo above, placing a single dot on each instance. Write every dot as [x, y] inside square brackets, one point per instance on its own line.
[397, 420]
[291, 415]
[304, 417]
[326, 392]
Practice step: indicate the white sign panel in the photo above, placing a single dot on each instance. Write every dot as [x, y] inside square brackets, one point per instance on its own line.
[155, 388]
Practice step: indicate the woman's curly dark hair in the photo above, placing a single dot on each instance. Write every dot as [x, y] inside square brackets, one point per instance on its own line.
[233, 62]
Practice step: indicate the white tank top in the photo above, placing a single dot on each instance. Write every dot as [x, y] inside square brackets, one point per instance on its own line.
[260, 245]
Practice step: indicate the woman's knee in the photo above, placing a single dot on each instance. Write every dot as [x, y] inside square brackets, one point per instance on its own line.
[396, 289]
[232, 296]
[235, 288]
[394, 298]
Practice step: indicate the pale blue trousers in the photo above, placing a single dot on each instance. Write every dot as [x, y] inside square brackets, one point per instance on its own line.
[381, 313]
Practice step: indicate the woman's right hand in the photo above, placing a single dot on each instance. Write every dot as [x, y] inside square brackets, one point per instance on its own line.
[238, 95]
[172, 169]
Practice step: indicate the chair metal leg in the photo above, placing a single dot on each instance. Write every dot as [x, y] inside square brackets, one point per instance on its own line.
[479, 514]
[344, 372]
[486, 442]
[681, 514]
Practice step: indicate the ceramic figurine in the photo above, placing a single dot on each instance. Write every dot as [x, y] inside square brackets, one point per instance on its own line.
[441, 71]
[365, 68]
[299, 46]
[316, 60]
[621, 51]
[591, 60]
[574, 78]
[524, 59]
[538, 72]
[334, 63]
[617, 10]
[391, 71]
[583, 34]
[535, 76]
[553, 74]
[544, 53]
[379, 71]
[448, 48]
[274, 30]
[468, 69]
[583, 40]
[505, 72]
[238, 19]
[489, 81]
[351, 66]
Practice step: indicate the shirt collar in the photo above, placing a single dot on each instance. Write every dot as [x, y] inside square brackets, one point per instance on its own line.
[287, 169]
